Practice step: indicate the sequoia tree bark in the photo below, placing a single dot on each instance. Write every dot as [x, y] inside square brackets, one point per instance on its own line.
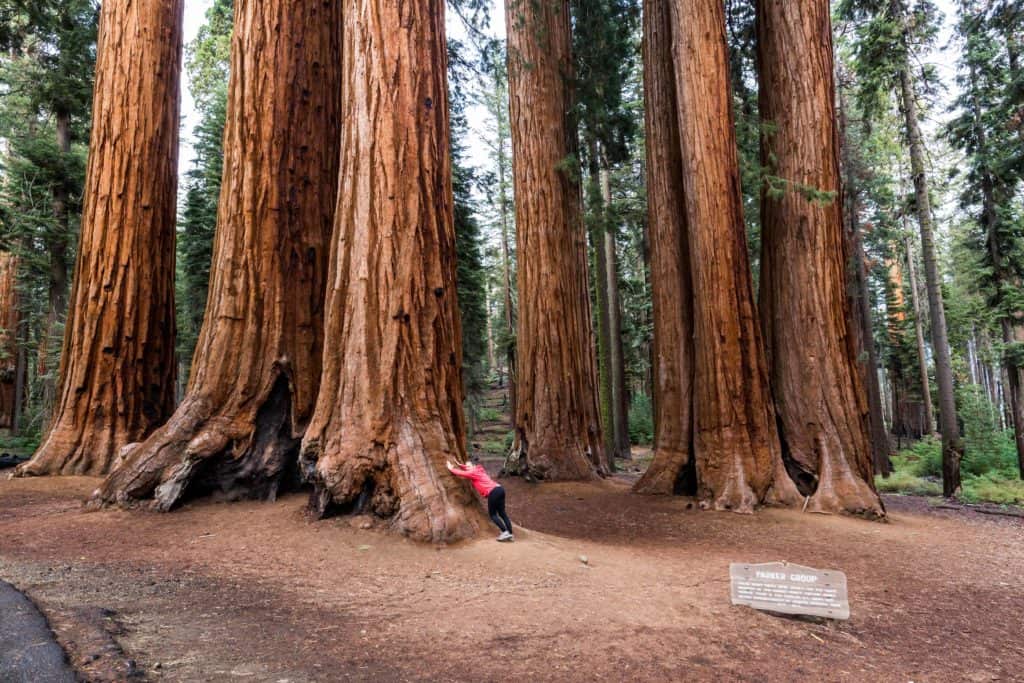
[736, 443]
[256, 369]
[9, 320]
[557, 429]
[390, 412]
[671, 286]
[118, 369]
[819, 394]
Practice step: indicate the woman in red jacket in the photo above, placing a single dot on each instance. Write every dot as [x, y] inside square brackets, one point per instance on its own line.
[489, 489]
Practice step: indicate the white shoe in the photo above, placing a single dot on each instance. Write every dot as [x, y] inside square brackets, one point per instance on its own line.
[506, 537]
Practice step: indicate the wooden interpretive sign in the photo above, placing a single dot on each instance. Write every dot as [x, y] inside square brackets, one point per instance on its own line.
[790, 589]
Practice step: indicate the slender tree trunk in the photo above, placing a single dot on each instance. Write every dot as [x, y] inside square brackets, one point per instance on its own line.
[118, 366]
[819, 393]
[491, 357]
[10, 324]
[390, 407]
[922, 357]
[256, 370]
[557, 430]
[735, 443]
[952, 447]
[861, 324]
[672, 469]
[1013, 337]
[616, 356]
[599, 268]
[1011, 323]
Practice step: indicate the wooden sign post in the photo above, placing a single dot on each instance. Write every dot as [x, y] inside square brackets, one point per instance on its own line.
[790, 589]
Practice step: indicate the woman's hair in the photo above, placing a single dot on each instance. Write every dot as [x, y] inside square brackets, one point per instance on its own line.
[473, 459]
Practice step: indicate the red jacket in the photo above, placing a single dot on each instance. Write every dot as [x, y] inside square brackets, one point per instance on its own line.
[477, 475]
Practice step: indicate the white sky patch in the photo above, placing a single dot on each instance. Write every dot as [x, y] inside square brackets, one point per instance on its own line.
[195, 15]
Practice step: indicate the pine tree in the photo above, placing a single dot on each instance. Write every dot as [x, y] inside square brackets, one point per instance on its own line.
[993, 178]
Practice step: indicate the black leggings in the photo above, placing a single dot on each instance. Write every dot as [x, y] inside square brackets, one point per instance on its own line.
[496, 509]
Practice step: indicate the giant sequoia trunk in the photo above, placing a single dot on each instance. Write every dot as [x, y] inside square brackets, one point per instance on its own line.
[9, 319]
[734, 439]
[256, 368]
[117, 367]
[671, 286]
[819, 395]
[557, 430]
[390, 407]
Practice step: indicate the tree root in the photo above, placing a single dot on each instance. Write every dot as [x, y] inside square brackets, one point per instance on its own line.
[195, 453]
[671, 472]
[404, 482]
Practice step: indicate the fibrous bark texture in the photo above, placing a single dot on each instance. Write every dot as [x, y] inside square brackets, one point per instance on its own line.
[117, 366]
[671, 286]
[256, 369]
[557, 429]
[739, 461]
[389, 412]
[9, 318]
[819, 396]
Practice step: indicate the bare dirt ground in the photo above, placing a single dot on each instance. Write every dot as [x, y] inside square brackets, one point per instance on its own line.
[252, 591]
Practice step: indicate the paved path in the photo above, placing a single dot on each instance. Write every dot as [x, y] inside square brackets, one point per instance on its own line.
[28, 652]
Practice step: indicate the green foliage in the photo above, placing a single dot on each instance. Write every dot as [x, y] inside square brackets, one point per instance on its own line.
[923, 459]
[993, 488]
[987, 449]
[641, 420]
[471, 275]
[489, 415]
[906, 482]
[989, 466]
[27, 443]
[47, 58]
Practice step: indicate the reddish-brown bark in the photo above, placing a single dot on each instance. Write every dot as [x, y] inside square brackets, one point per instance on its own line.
[739, 460]
[389, 412]
[671, 287]
[256, 368]
[819, 395]
[9, 318]
[117, 366]
[558, 431]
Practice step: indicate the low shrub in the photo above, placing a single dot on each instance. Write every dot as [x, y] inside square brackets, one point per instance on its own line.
[641, 420]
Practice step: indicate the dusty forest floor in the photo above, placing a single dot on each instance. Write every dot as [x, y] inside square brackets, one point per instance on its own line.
[253, 591]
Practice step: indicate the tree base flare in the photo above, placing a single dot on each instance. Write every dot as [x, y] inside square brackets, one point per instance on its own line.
[670, 473]
[573, 464]
[196, 454]
[842, 491]
[404, 482]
